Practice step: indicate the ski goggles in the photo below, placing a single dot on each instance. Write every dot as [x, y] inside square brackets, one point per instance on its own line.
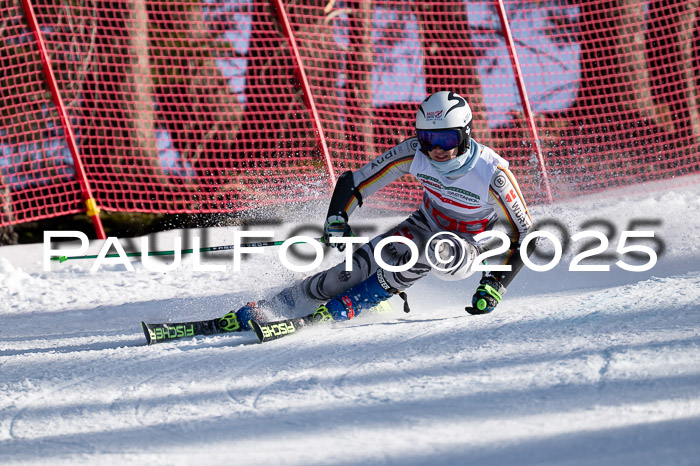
[446, 139]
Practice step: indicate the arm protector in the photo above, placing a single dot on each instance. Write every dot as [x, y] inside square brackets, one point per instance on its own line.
[342, 194]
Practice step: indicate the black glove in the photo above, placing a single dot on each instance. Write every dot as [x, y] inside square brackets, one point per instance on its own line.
[336, 226]
[488, 295]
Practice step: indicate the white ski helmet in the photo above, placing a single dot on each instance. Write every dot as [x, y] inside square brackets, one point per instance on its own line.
[444, 119]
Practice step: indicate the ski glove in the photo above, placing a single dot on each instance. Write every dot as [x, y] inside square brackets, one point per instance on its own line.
[488, 295]
[336, 226]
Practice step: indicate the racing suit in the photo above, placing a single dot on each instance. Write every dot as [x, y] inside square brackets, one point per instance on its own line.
[466, 204]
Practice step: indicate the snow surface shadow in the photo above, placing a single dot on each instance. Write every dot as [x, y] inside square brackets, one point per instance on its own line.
[325, 419]
[592, 325]
[414, 376]
[111, 320]
[560, 279]
[588, 325]
[654, 442]
[219, 341]
[461, 403]
[400, 321]
[458, 403]
[76, 348]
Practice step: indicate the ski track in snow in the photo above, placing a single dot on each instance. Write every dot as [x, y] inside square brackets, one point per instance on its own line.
[572, 368]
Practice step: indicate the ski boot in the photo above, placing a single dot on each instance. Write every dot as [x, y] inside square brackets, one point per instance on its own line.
[370, 293]
[240, 319]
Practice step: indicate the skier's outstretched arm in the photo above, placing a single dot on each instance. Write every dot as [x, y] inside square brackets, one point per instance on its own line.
[507, 199]
[353, 187]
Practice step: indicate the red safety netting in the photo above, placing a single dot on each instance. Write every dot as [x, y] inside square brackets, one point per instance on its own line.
[197, 106]
[183, 106]
[37, 178]
[613, 85]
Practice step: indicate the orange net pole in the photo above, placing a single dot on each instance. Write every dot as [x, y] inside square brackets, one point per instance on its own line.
[90, 205]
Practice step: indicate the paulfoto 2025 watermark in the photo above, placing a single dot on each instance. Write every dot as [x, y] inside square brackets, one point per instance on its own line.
[594, 244]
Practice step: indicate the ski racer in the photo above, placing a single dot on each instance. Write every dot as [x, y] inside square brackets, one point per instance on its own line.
[467, 187]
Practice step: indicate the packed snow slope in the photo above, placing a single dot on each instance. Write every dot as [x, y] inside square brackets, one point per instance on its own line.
[571, 368]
